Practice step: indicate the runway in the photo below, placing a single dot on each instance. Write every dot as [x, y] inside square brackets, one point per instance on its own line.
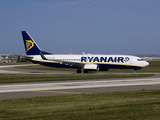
[13, 91]
[25, 90]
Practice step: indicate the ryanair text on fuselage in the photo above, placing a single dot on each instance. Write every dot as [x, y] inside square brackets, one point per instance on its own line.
[105, 59]
[83, 62]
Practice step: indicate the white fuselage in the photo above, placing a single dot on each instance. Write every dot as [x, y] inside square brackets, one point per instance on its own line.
[109, 61]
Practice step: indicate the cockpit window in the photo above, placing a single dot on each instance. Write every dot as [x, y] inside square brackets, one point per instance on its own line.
[140, 60]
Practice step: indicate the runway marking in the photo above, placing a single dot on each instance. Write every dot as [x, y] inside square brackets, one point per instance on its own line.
[58, 92]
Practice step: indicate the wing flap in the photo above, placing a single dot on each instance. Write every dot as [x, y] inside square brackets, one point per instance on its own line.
[72, 63]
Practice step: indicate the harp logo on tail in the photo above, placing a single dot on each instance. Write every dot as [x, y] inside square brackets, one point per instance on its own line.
[29, 45]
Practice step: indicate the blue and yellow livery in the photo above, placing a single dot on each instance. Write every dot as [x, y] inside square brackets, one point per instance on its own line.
[85, 62]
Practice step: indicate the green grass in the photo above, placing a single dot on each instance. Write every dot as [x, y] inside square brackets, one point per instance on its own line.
[137, 105]
[153, 67]
[20, 78]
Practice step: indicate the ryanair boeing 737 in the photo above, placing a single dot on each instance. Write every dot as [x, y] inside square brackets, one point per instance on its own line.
[85, 62]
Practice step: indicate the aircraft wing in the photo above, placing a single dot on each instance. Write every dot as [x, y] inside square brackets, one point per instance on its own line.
[77, 64]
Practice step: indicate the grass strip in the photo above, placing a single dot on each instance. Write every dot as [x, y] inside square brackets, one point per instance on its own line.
[20, 78]
[135, 105]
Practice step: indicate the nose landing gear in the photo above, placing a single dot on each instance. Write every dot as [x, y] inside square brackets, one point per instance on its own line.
[136, 70]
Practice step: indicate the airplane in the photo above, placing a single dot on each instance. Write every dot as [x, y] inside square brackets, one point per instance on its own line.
[85, 62]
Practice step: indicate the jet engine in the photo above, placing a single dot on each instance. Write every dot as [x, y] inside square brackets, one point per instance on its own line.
[90, 67]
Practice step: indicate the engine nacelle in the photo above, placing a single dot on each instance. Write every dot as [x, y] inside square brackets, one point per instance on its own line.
[91, 67]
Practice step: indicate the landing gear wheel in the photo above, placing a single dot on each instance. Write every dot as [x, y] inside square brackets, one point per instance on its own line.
[85, 71]
[79, 71]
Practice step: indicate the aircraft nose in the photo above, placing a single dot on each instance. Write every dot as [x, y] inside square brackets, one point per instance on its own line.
[146, 63]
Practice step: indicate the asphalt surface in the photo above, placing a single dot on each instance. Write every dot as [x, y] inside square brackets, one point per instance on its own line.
[28, 90]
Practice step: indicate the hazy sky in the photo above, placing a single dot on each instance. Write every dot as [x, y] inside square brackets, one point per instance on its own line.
[76, 26]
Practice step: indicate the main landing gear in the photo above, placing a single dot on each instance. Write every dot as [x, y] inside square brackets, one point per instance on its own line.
[85, 71]
[80, 71]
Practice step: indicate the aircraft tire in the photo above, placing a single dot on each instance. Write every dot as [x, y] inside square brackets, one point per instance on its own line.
[85, 71]
[79, 71]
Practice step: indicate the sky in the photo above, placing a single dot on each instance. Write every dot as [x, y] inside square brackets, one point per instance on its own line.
[76, 26]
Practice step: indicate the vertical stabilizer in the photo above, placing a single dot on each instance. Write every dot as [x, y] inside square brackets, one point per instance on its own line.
[31, 47]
